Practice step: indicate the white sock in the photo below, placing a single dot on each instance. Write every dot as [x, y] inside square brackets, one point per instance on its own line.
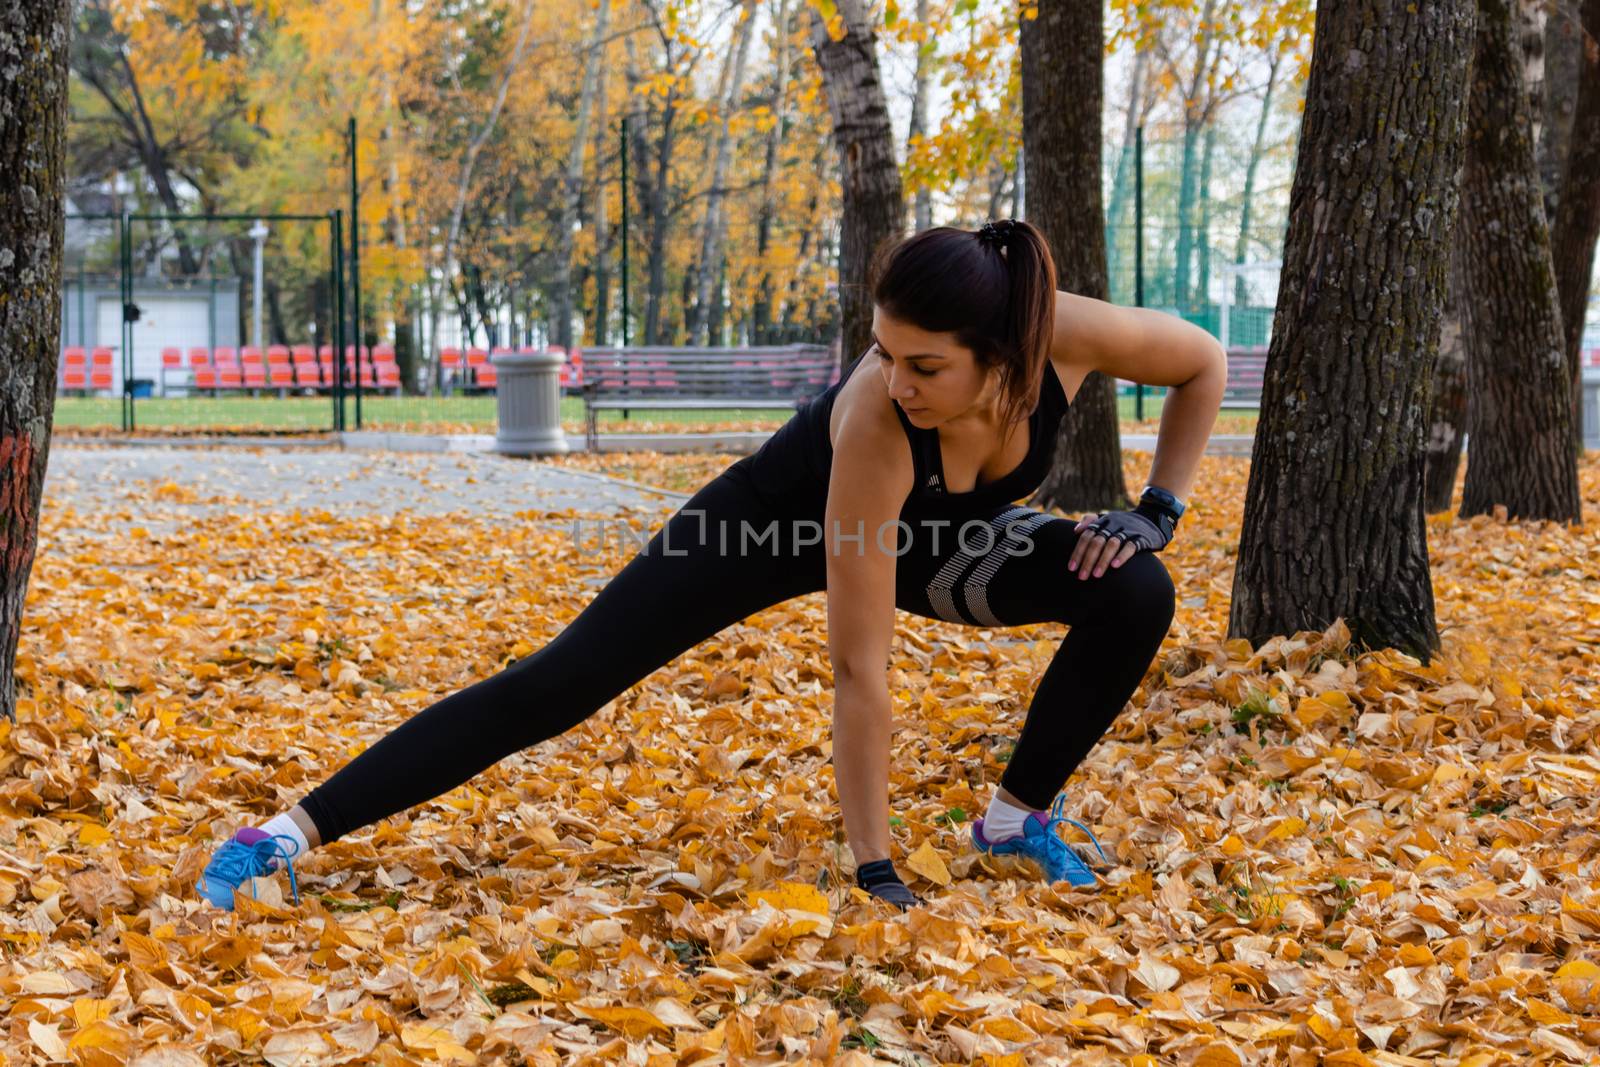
[285, 824]
[1002, 820]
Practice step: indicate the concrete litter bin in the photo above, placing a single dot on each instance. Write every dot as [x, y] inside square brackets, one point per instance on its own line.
[528, 404]
[1591, 407]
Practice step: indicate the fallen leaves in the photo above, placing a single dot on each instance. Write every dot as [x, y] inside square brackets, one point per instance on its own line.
[1321, 855]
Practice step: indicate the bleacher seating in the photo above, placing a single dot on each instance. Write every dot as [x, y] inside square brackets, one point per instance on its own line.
[1246, 373]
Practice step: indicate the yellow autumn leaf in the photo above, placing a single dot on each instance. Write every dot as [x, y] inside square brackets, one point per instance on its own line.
[928, 862]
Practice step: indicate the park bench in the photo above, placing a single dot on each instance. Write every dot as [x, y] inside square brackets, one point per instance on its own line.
[653, 378]
[1246, 371]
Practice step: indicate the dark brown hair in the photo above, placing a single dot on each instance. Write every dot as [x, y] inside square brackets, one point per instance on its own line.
[994, 288]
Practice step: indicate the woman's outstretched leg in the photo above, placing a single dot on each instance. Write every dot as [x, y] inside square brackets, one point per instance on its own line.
[695, 577]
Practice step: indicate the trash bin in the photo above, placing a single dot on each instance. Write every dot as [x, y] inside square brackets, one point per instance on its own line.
[528, 403]
[142, 387]
[1591, 407]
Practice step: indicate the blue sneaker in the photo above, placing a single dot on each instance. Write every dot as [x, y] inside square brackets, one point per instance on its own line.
[1040, 843]
[249, 853]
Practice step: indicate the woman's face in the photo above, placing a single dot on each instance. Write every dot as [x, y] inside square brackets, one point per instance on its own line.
[931, 376]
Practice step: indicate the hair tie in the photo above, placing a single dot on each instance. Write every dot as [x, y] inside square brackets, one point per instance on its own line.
[998, 233]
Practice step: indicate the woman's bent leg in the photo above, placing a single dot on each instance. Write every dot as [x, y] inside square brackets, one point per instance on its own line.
[687, 584]
[1117, 622]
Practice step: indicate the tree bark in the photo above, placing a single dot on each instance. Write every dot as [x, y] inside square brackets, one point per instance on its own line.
[33, 123]
[1564, 55]
[572, 184]
[1519, 417]
[1062, 79]
[1333, 523]
[1447, 410]
[869, 176]
[1577, 216]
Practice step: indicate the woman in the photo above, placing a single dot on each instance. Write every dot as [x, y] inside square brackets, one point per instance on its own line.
[909, 465]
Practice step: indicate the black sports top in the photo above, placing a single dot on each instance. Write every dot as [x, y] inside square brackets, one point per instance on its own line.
[791, 467]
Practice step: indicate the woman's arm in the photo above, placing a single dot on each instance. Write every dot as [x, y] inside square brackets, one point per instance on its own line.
[871, 477]
[1153, 348]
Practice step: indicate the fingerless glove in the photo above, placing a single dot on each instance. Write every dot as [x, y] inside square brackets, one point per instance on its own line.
[1148, 526]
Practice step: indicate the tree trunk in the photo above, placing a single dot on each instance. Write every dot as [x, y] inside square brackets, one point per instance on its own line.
[1062, 77]
[869, 177]
[922, 199]
[1563, 64]
[1333, 522]
[1241, 248]
[1519, 418]
[1447, 409]
[660, 222]
[762, 315]
[464, 178]
[1202, 277]
[33, 123]
[602, 222]
[1577, 217]
[1195, 116]
[707, 287]
[1122, 182]
[572, 184]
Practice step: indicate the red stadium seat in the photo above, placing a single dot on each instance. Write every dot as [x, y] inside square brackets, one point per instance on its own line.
[450, 358]
[250, 355]
[307, 372]
[229, 376]
[280, 374]
[74, 378]
[255, 375]
[99, 378]
[101, 358]
[205, 377]
[303, 354]
[488, 376]
[477, 357]
[199, 357]
[277, 354]
[225, 356]
[383, 353]
[171, 357]
[73, 357]
[388, 375]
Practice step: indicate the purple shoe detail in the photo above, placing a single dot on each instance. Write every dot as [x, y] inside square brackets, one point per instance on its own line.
[250, 835]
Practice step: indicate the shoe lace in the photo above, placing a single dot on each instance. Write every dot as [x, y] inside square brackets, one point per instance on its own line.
[1058, 815]
[236, 861]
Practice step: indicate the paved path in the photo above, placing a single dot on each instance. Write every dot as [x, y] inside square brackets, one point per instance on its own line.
[101, 479]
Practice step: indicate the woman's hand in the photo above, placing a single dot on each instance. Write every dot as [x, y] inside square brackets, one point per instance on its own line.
[1112, 538]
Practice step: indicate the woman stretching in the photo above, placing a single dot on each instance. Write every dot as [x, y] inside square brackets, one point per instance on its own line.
[894, 488]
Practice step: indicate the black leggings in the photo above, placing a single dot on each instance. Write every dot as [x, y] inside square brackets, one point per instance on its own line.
[694, 578]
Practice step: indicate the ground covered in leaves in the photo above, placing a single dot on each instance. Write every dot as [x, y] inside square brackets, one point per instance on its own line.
[1320, 856]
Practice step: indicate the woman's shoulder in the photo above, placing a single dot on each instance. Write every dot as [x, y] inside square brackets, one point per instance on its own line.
[863, 399]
